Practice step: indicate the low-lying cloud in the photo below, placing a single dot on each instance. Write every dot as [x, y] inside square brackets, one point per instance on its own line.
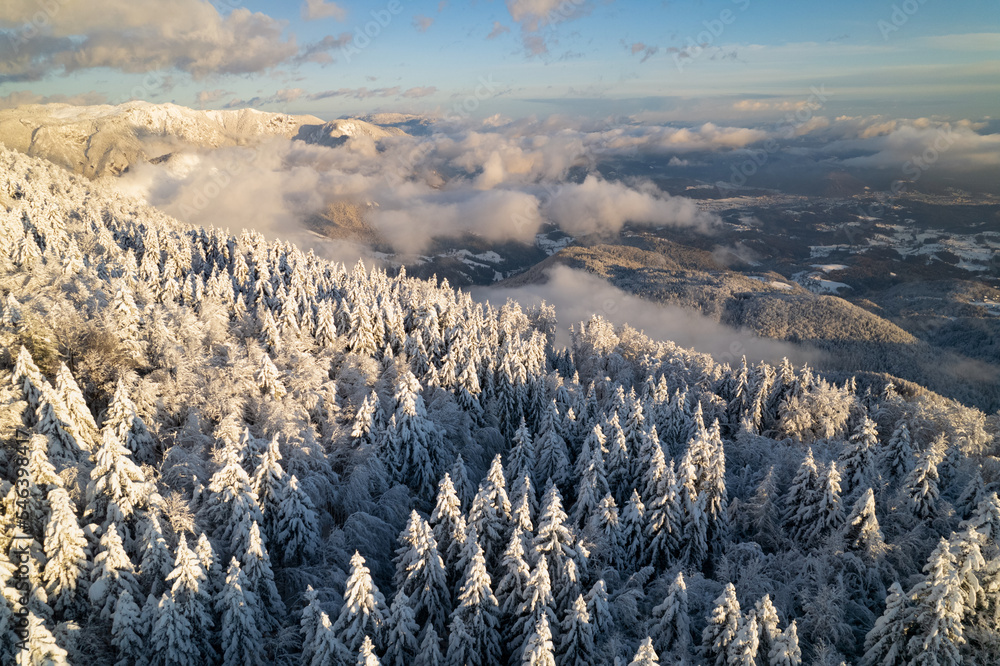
[578, 294]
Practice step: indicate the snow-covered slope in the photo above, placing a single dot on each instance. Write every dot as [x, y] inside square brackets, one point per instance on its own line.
[99, 140]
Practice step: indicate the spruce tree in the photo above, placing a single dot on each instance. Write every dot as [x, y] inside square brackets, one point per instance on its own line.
[672, 628]
[256, 564]
[862, 534]
[477, 615]
[241, 640]
[127, 631]
[363, 612]
[885, 644]
[937, 633]
[785, 651]
[297, 526]
[401, 638]
[538, 649]
[112, 573]
[723, 625]
[921, 488]
[65, 551]
[576, 643]
[646, 655]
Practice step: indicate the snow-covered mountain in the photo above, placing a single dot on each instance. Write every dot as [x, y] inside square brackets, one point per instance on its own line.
[104, 139]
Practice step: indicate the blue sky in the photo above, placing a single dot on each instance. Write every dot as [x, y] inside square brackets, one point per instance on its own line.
[677, 60]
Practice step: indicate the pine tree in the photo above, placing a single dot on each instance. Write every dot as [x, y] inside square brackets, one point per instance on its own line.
[490, 512]
[156, 558]
[618, 463]
[557, 541]
[802, 498]
[128, 428]
[512, 588]
[420, 572]
[269, 485]
[521, 458]
[897, 458]
[241, 640]
[862, 533]
[126, 630]
[448, 522]
[538, 601]
[65, 550]
[325, 648]
[78, 415]
[646, 656]
[828, 514]
[476, 619]
[401, 641]
[269, 379]
[785, 651]
[363, 612]
[607, 531]
[296, 525]
[310, 622]
[672, 628]
[938, 610]
[743, 650]
[40, 647]
[171, 638]
[600, 609]
[260, 579]
[664, 524]
[576, 645]
[190, 594]
[552, 454]
[767, 626]
[112, 574]
[538, 648]
[723, 625]
[858, 457]
[232, 506]
[633, 529]
[460, 479]
[117, 486]
[430, 649]
[366, 654]
[921, 488]
[885, 644]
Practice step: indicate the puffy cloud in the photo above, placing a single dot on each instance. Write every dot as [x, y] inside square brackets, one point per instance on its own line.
[534, 15]
[313, 10]
[419, 91]
[211, 96]
[139, 36]
[602, 206]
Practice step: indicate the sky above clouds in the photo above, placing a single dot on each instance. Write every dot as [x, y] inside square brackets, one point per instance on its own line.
[674, 60]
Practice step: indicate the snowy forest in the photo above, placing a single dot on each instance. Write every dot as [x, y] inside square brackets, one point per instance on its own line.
[219, 449]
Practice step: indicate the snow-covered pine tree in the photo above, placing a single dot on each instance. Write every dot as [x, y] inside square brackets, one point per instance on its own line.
[936, 634]
[664, 524]
[552, 455]
[862, 534]
[576, 642]
[672, 624]
[556, 539]
[231, 505]
[723, 625]
[65, 551]
[885, 644]
[366, 654]
[112, 573]
[606, 531]
[128, 427]
[117, 486]
[857, 460]
[785, 651]
[802, 498]
[189, 591]
[269, 485]
[600, 609]
[449, 525]
[401, 637]
[521, 457]
[420, 572]
[156, 562]
[476, 620]
[241, 639]
[260, 579]
[172, 639]
[767, 626]
[646, 655]
[743, 650]
[921, 488]
[39, 648]
[127, 631]
[538, 601]
[490, 513]
[897, 457]
[430, 649]
[633, 529]
[363, 612]
[297, 526]
[828, 513]
[538, 648]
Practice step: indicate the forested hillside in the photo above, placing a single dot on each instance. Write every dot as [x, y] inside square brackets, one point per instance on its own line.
[223, 450]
